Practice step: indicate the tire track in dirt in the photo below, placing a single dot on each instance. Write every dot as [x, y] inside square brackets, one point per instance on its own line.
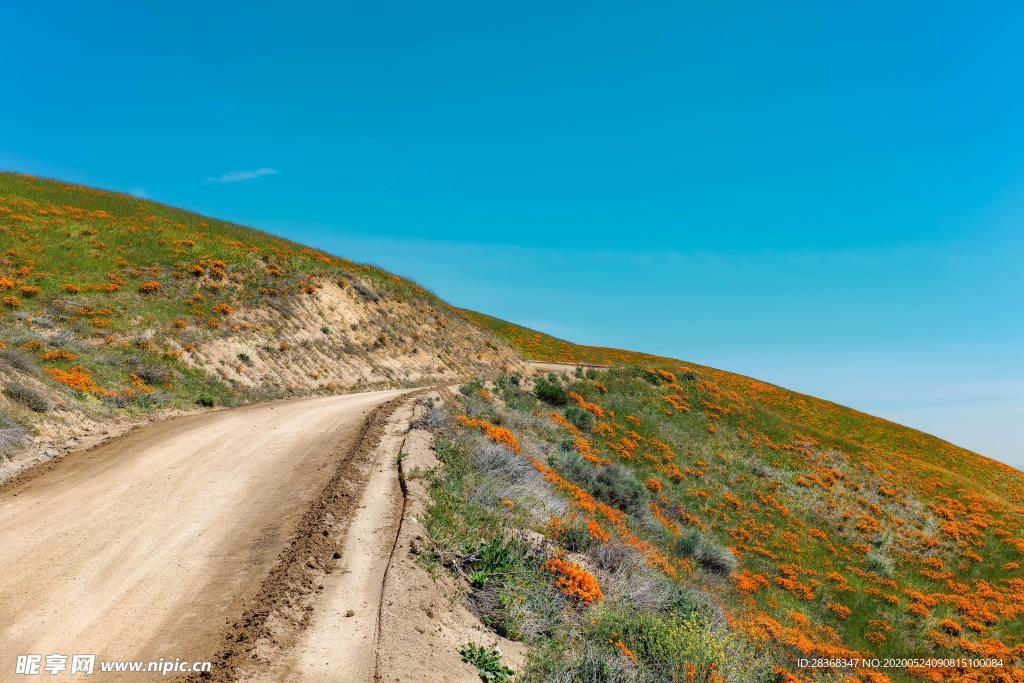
[269, 641]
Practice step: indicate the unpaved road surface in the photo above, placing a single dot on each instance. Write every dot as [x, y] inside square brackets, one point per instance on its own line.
[143, 547]
[543, 366]
[338, 643]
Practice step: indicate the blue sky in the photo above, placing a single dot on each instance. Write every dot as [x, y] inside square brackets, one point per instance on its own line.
[828, 196]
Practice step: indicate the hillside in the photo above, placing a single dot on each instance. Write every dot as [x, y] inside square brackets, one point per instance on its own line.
[840, 534]
[115, 307]
[675, 522]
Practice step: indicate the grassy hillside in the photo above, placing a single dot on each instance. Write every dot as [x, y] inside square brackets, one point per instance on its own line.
[852, 535]
[111, 304]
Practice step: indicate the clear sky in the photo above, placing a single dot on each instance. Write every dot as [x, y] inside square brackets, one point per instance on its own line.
[825, 195]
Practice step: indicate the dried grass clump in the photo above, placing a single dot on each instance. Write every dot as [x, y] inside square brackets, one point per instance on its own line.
[28, 396]
[13, 436]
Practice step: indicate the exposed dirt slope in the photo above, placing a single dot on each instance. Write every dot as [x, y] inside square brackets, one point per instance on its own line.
[424, 617]
[114, 308]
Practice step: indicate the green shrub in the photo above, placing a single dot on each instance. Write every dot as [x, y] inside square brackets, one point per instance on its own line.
[550, 392]
[586, 660]
[716, 559]
[664, 644]
[616, 486]
[487, 661]
[496, 557]
[878, 562]
[612, 484]
[583, 419]
[706, 552]
[521, 606]
[510, 390]
[574, 536]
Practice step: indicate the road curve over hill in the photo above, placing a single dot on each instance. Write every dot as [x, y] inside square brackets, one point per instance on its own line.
[143, 547]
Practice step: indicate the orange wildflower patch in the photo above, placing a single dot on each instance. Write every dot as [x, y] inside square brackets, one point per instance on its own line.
[877, 631]
[58, 355]
[732, 501]
[28, 290]
[841, 611]
[624, 651]
[918, 609]
[139, 384]
[660, 375]
[789, 583]
[672, 527]
[597, 532]
[573, 580]
[586, 449]
[71, 288]
[149, 287]
[761, 627]
[679, 403]
[223, 309]
[579, 497]
[625, 446]
[798, 618]
[79, 379]
[586, 405]
[12, 301]
[495, 433]
[750, 582]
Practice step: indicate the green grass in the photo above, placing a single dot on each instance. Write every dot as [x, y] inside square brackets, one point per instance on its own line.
[722, 509]
[131, 282]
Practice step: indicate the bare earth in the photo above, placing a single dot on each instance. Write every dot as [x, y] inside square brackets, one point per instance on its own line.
[145, 546]
[338, 643]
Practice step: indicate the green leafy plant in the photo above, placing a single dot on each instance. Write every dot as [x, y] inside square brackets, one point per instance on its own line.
[494, 558]
[487, 661]
[551, 392]
[583, 419]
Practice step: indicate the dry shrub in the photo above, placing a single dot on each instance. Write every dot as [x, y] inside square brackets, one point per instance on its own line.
[13, 436]
[20, 360]
[29, 396]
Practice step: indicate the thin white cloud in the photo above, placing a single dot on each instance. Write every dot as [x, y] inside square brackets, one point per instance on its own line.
[239, 176]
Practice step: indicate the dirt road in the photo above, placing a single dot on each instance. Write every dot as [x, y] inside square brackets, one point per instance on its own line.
[338, 642]
[542, 366]
[142, 548]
